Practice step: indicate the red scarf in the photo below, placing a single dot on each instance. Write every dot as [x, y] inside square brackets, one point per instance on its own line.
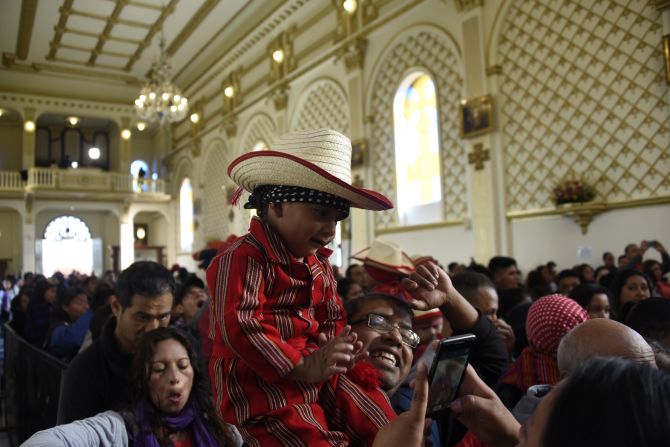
[533, 367]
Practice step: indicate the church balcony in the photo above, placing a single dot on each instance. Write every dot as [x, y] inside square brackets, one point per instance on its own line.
[82, 183]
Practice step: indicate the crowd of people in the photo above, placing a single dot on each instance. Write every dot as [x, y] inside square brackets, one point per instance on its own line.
[277, 348]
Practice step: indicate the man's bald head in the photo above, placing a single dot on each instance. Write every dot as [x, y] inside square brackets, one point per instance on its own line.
[601, 338]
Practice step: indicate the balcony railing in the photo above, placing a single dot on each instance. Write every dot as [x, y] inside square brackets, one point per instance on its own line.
[10, 181]
[81, 179]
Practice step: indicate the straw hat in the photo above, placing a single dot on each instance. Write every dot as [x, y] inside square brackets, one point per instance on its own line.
[386, 256]
[426, 318]
[318, 159]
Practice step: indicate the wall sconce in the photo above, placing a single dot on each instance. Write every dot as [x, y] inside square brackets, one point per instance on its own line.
[282, 60]
[141, 126]
[72, 120]
[278, 56]
[195, 118]
[349, 6]
[126, 134]
[29, 126]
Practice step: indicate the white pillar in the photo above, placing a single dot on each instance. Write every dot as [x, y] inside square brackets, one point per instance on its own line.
[126, 244]
[28, 263]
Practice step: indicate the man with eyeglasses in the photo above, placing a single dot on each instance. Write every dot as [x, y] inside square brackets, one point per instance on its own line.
[383, 324]
[97, 379]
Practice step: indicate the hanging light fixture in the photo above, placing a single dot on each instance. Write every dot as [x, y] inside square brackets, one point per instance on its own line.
[160, 100]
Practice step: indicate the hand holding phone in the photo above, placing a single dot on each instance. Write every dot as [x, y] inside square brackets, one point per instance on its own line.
[446, 372]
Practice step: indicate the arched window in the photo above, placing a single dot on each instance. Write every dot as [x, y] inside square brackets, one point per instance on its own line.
[139, 170]
[186, 227]
[417, 150]
[67, 246]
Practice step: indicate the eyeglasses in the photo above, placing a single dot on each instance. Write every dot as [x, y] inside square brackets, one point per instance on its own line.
[381, 323]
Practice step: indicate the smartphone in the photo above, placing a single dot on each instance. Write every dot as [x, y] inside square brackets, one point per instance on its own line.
[651, 243]
[447, 370]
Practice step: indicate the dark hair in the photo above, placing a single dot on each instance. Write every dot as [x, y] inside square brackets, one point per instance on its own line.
[353, 306]
[567, 273]
[630, 400]
[452, 265]
[146, 278]
[605, 255]
[625, 250]
[661, 354]
[40, 288]
[101, 296]
[347, 272]
[647, 266]
[467, 283]
[68, 295]
[190, 282]
[583, 294]
[618, 283]
[621, 257]
[651, 318]
[201, 392]
[580, 269]
[343, 287]
[499, 263]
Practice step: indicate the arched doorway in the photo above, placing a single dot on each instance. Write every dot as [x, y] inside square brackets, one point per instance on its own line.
[67, 246]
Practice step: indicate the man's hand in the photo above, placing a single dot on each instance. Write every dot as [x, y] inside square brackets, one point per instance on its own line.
[482, 412]
[429, 285]
[506, 334]
[334, 356]
[408, 429]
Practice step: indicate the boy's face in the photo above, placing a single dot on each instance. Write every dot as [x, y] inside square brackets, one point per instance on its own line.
[304, 227]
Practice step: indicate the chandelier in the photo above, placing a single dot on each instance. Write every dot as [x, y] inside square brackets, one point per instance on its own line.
[159, 100]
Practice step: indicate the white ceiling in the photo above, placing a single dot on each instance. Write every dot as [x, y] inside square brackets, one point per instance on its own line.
[94, 49]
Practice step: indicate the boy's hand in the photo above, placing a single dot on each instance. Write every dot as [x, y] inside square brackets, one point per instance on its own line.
[429, 285]
[334, 356]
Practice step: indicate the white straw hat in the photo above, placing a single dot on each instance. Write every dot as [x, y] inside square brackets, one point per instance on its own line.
[318, 159]
[386, 255]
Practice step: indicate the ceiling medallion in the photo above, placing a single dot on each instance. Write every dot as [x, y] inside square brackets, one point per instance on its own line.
[160, 100]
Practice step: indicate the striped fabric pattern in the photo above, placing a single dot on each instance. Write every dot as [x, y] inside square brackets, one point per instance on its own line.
[267, 311]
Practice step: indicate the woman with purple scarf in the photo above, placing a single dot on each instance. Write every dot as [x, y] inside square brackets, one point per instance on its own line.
[171, 407]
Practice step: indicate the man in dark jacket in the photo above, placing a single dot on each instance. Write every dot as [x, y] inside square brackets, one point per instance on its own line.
[98, 379]
[390, 350]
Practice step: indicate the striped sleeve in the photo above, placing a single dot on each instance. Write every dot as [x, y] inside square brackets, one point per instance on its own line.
[237, 284]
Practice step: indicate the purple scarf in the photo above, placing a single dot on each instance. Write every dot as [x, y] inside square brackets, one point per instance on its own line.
[187, 418]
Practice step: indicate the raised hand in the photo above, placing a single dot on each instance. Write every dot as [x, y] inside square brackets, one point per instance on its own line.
[429, 286]
[334, 356]
[409, 428]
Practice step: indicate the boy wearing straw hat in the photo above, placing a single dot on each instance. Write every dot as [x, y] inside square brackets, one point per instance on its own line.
[282, 356]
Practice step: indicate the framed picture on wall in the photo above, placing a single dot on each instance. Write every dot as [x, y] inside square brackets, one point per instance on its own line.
[358, 149]
[476, 116]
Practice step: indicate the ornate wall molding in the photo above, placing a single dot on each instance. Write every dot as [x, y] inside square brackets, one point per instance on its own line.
[433, 52]
[259, 127]
[323, 104]
[583, 95]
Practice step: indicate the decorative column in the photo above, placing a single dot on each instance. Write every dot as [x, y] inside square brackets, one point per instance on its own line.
[28, 146]
[28, 234]
[351, 17]
[125, 145]
[126, 238]
[483, 203]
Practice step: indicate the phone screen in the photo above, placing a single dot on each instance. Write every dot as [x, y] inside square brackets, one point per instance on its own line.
[446, 378]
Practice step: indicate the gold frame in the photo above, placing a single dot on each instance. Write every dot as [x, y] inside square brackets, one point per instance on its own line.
[666, 57]
[358, 153]
[477, 116]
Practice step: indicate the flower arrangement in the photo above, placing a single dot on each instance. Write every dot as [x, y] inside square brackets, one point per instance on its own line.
[573, 191]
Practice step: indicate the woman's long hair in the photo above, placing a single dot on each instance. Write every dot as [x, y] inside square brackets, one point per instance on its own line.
[200, 392]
